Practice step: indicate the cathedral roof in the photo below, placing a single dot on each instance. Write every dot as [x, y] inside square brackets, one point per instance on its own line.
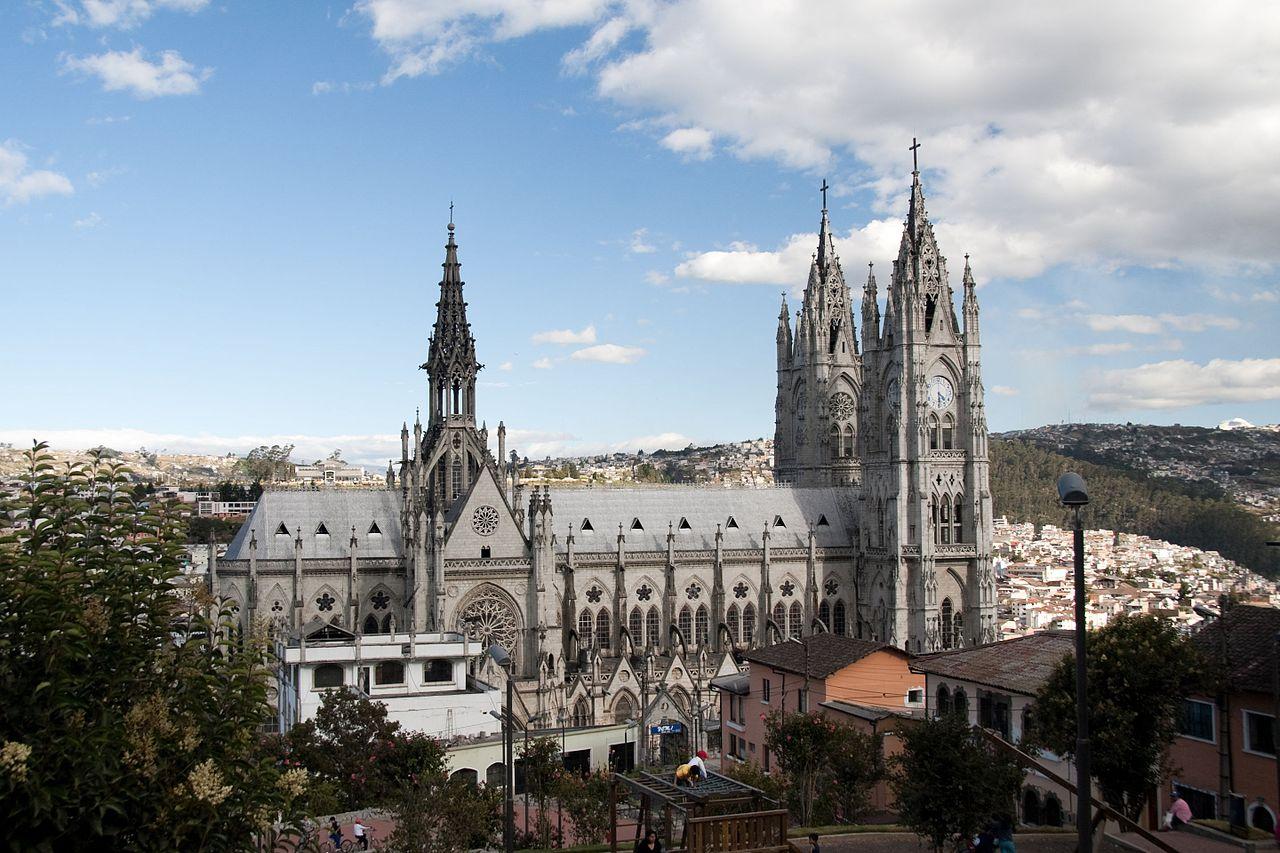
[701, 510]
[337, 511]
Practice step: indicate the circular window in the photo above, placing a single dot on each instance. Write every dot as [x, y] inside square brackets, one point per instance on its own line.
[484, 520]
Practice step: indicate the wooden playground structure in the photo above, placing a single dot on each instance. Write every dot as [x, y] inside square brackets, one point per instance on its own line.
[719, 814]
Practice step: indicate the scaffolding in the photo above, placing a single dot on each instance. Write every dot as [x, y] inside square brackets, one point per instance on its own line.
[718, 814]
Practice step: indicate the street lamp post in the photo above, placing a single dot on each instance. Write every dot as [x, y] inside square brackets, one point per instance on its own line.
[1072, 493]
[502, 659]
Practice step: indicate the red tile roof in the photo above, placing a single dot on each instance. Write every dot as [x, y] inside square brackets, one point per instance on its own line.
[1019, 665]
[821, 654]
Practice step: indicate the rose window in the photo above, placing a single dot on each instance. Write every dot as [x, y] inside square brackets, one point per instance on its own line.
[832, 587]
[489, 619]
[787, 588]
[276, 606]
[740, 591]
[644, 592]
[693, 591]
[380, 600]
[593, 594]
[326, 602]
[484, 520]
[841, 406]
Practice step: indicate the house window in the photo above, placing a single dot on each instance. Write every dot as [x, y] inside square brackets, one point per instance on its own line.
[764, 691]
[436, 671]
[1196, 720]
[944, 701]
[327, 675]
[802, 700]
[389, 672]
[915, 696]
[485, 553]
[766, 759]
[1259, 733]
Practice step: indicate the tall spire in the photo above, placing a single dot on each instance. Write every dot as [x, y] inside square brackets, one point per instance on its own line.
[451, 360]
[870, 310]
[970, 306]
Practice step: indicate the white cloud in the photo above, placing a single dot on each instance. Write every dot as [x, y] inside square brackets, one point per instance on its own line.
[97, 120]
[1103, 349]
[1004, 390]
[566, 336]
[324, 87]
[1032, 159]
[131, 71]
[638, 244]
[506, 365]
[609, 354]
[1144, 324]
[693, 142]
[19, 183]
[656, 277]
[1181, 384]
[544, 364]
[745, 263]
[124, 14]
[93, 220]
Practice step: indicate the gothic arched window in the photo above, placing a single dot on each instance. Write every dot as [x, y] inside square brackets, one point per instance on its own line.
[623, 710]
[957, 629]
[956, 529]
[581, 714]
[749, 624]
[779, 617]
[370, 624]
[946, 628]
[701, 621]
[733, 620]
[824, 613]
[944, 701]
[880, 521]
[797, 619]
[841, 626]
[602, 629]
[932, 427]
[948, 432]
[635, 625]
[686, 623]
[586, 629]
[933, 519]
[960, 703]
[847, 446]
[944, 520]
[457, 478]
[653, 627]
[833, 439]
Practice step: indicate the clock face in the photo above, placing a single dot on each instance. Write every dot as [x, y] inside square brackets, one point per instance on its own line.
[939, 393]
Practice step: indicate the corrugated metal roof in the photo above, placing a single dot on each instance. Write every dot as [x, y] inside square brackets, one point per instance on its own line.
[828, 510]
[338, 510]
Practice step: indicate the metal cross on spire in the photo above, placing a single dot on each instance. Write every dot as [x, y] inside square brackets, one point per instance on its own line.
[450, 211]
[824, 189]
[915, 162]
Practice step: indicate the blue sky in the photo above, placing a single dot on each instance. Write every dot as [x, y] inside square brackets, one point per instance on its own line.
[221, 223]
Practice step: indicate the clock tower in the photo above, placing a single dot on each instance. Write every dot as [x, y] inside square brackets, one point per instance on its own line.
[926, 581]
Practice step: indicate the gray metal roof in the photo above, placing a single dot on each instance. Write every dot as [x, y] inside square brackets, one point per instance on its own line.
[701, 509]
[337, 510]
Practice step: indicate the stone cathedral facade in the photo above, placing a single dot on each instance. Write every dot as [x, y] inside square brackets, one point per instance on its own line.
[610, 600]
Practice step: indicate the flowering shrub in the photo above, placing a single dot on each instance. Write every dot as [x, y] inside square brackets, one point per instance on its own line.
[139, 697]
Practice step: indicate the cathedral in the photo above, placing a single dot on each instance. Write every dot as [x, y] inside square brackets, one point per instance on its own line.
[606, 598]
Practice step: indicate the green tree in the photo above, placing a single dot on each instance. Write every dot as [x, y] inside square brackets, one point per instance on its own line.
[1139, 670]
[586, 800]
[131, 720]
[541, 762]
[799, 745]
[855, 762]
[434, 814]
[264, 464]
[829, 766]
[351, 743]
[948, 782]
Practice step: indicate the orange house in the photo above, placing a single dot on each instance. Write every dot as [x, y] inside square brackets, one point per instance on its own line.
[860, 682]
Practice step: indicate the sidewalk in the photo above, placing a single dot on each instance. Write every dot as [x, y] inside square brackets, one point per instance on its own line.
[1184, 842]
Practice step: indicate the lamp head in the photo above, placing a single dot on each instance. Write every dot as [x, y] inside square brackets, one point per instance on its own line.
[1071, 490]
[499, 655]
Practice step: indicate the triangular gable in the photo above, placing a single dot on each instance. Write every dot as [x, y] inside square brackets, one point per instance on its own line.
[616, 683]
[483, 520]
